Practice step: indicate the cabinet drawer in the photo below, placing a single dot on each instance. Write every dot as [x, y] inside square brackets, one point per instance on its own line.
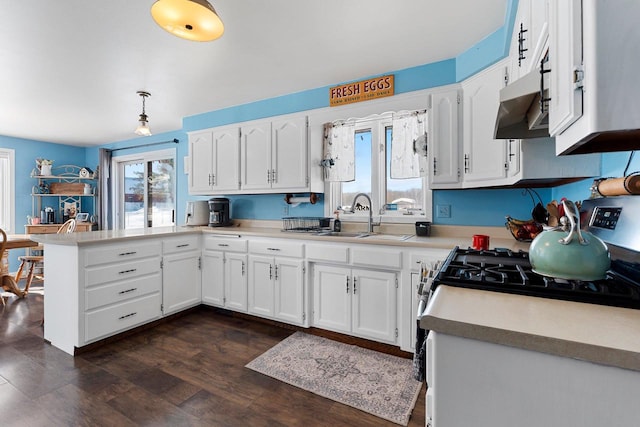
[120, 253]
[376, 258]
[108, 321]
[277, 247]
[231, 245]
[120, 291]
[328, 253]
[121, 271]
[181, 244]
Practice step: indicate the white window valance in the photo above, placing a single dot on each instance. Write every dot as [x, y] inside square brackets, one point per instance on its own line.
[408, 145]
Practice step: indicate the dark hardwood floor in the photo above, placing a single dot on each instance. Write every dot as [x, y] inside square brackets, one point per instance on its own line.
[186, 371]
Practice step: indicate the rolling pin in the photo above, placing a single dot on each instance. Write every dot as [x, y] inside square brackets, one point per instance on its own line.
[620, 186]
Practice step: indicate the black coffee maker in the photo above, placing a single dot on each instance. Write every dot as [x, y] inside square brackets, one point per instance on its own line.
[219, 212]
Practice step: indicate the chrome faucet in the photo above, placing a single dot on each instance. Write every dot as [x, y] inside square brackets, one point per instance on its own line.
[371, 224]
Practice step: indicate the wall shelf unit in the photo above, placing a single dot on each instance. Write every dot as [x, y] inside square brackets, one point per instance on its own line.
[70, 189]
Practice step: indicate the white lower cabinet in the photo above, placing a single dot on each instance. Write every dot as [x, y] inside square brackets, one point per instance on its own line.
[355, 301]
[181, 278]
[224, 273]
[276, 288]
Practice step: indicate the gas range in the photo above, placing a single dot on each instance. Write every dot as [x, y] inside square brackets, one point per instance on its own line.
[502, 270]
[506, 271]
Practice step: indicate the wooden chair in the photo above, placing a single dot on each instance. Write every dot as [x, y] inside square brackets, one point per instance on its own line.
[34, 260]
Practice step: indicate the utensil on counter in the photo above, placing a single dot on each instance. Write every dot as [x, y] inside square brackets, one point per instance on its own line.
[572, 254]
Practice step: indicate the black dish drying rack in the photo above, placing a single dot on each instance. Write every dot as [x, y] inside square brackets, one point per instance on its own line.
[303, 224]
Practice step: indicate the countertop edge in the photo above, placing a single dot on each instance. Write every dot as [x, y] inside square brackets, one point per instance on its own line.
[595, 333]
[559, 347]
[113, 236]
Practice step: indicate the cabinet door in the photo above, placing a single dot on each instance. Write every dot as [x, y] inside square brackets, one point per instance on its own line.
[520, 49]
[236, 282]
[226, 159]
[332, 298]
[374, 305]
[289, 289]
[443, 131]
[289, 153]
[261, 293]
[181, 286]
[484, 156]
[565, 57]
[256, 156]
[513, 157]
[200, 156]
[213, 278]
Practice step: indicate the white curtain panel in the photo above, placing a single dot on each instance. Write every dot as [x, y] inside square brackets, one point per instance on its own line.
[339, 146]
[407, 128]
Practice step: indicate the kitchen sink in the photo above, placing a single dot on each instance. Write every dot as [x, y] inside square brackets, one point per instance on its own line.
[343, 234]
[364, 234]
[397, 237]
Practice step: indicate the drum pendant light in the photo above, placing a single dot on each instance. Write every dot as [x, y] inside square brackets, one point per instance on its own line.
[193, 20]
[143, 127]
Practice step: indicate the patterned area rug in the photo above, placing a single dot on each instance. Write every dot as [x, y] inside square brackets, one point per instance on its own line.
[373, 382]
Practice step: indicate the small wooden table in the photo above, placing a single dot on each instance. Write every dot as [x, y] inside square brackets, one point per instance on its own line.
[14, 241]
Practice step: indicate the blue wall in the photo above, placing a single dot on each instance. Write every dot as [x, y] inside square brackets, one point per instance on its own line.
[26, 151]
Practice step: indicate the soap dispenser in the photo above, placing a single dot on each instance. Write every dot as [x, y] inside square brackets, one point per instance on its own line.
[337, 225]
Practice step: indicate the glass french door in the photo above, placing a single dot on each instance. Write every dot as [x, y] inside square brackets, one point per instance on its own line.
[146, 193]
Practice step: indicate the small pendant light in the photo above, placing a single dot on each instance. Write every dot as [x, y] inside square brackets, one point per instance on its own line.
[194, 20]
[143, 127]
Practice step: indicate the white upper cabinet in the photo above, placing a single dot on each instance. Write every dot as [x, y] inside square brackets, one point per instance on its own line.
[565, 54]
[530, 36]
[289, 153]
[257, 157]
[214, 157]
[484, 157]
[274, 155]
[593, 84]
[444, 152]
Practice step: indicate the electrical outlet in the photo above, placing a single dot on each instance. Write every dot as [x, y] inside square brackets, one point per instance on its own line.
[285, 210]
[443, 211]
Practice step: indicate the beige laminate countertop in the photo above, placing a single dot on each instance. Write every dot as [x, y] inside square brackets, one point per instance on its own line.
[446, 237]
[595, 333]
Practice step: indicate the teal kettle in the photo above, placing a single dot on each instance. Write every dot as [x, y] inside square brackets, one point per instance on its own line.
[572, 254]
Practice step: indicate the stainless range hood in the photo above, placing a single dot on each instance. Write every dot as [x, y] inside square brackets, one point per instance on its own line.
[519, 113]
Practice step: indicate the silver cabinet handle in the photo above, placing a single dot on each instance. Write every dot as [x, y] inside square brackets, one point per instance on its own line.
[127, 315]
[273, 249]
[243, 268]
[270, 271]
[268, 176]
[347, 284]
[127, 253]
[354, 285]
[127, 291]
[127, 271]
[224, 245]
[276, 275]
[184, 245]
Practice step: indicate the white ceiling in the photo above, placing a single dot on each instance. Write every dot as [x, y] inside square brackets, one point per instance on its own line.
[70, 69]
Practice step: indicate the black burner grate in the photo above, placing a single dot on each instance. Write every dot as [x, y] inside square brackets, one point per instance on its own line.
[503, 270]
